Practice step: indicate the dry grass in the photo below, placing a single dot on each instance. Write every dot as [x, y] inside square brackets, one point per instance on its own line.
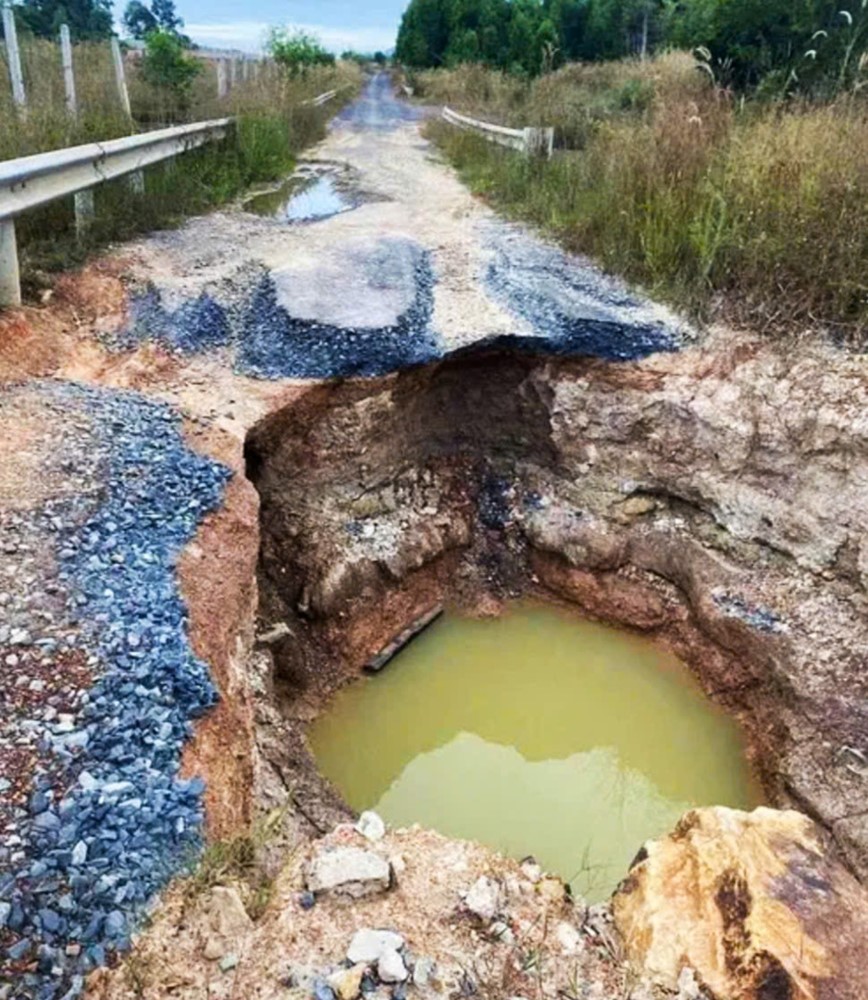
[754, 211]
[48, 125]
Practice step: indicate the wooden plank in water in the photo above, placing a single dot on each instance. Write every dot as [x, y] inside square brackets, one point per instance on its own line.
[403, 638]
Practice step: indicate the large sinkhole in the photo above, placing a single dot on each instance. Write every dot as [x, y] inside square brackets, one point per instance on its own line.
[535, 733]
[601, 668]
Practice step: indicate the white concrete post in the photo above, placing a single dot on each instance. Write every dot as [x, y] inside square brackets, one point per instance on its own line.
[84, 206]
[14, 56]
[84, 211]
[68, 74]
[137, 178]
[222, 79]
[233, 73]
[10, 281]
[120, 77]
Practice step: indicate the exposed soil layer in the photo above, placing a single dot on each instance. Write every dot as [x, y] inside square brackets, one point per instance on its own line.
[650, 497]
[713, 496]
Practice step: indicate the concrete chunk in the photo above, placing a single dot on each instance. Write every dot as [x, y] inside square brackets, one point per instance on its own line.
[349, 871]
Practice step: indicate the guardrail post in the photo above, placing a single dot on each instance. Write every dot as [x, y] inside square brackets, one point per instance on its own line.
[233, 73]
[15, 75]
[137, 178]
[10, 280]
[539, 141]
[84, 212]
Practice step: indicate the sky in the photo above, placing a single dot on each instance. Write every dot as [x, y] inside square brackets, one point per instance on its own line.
[364, 25]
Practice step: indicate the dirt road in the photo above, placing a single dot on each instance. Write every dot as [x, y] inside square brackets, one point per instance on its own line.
[411, 267]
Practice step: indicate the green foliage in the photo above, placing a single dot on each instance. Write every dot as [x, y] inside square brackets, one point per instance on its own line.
[87, 19]
[524, 36]
[782, 45]
[297, 51]
[140, 19]
[808, 45]
[167, 66]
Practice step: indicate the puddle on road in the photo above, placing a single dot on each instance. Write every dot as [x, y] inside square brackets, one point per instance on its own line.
[305, 199]
[536, 733]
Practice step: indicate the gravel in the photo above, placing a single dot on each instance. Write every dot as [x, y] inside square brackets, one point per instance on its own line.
[573, 308]
[270, 343]
[106, 819]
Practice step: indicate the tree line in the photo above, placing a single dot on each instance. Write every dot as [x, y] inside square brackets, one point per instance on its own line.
[746, 43]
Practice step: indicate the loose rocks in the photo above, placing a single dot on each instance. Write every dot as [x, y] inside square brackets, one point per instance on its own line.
[370, 945]
[349, 871]
[484, 898]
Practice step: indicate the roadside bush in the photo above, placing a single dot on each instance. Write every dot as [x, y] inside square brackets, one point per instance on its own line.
[167, 67]
[297, 51]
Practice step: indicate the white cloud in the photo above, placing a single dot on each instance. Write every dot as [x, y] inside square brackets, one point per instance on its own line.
[250, 35]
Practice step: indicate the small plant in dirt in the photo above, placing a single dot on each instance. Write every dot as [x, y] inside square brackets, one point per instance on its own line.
[238, 860]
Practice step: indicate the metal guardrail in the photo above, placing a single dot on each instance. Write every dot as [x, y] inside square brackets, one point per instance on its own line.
[30, 181]
[531, 141]
[317, 102]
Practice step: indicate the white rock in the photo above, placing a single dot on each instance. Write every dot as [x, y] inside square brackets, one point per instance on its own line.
[531, 870]
[568, 938]
[349, 871]
[423, 971]
[391, 968]
[502, 932]
[369, 944]
[228, 921]
[79, 853]
[483, 898]
[371, 826]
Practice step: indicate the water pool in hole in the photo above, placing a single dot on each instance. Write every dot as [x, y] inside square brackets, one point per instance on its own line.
[536, 733]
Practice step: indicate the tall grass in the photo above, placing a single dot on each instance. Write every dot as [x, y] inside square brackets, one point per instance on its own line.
[756, 212]
[272, 126]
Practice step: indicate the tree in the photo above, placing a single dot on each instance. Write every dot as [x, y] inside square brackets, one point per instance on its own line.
[168, 67]
[788, 42]
[140, 20]
[297, 51]
[87, 19]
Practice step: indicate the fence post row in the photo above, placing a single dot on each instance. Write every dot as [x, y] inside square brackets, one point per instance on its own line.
[15, 74]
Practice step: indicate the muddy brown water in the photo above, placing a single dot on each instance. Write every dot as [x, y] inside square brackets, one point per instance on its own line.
[537, 734]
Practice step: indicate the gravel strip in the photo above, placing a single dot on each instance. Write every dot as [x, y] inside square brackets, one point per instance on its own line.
[99, 691]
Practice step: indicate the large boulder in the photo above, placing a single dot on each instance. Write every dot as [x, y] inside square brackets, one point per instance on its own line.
[753, 903]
